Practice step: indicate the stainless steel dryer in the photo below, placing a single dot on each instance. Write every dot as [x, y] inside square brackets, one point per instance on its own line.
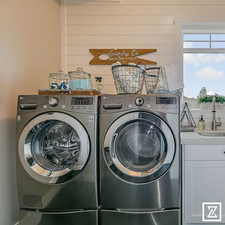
[140, 160]
[56, 157]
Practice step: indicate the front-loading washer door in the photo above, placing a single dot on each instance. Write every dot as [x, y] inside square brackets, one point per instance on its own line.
[139, 147]
[53, 147]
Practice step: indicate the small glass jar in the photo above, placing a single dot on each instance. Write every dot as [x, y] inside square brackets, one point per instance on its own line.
[59, 80]
[80, 80]
[99, 83]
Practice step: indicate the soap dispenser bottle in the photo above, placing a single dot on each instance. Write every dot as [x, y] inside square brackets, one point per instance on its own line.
[201, 124]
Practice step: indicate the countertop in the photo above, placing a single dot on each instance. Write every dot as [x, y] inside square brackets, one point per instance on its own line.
[193, 138]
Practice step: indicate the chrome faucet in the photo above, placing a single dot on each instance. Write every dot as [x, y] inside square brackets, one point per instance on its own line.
[215, 123]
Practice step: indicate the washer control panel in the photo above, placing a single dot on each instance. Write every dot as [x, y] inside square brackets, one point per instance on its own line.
[82, 101]
[62, 102]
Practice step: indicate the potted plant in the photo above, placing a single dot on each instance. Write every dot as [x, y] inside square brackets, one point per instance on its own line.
[206, 101]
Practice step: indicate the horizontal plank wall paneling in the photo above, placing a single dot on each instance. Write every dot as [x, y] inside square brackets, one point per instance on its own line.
[121, 40]
[131, 24]
[146, 2]
[109, 30]
[115, 20]
[133, 10]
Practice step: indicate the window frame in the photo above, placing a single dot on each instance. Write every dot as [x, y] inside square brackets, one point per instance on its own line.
[196, 27]
[203, 50]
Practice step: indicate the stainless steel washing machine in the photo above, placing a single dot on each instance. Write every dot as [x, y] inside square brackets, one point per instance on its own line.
[140, 159]
[56, 156]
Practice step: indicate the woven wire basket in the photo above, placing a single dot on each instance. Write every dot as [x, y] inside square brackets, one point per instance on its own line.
[128, 78]
[152, 75]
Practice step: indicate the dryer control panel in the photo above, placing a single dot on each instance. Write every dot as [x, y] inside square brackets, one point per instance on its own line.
[155, 102]
[166, 100]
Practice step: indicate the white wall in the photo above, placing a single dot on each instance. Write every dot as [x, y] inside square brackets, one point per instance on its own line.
[131, 24]
[29, 50]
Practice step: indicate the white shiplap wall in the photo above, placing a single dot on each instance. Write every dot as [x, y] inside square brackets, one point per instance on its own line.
[131, 24]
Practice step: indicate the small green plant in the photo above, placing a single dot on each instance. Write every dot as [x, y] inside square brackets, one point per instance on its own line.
[209, 98]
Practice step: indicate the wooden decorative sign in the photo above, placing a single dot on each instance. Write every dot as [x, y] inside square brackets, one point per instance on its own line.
[124, 56]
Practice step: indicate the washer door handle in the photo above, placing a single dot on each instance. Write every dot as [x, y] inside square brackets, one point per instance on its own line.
[115, 135]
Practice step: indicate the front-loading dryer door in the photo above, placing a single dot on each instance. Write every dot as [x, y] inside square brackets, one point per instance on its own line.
[53, 147]
[139, 147]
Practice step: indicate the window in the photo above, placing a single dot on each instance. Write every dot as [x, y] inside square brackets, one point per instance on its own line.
[205, 40]
[204, 63]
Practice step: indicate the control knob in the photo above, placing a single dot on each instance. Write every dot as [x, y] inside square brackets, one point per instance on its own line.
[139, 101]
[53, 101]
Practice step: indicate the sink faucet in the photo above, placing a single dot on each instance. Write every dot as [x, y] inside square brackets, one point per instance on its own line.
[215, 123]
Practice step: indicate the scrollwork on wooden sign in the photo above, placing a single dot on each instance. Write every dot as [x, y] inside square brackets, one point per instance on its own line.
[124, 56]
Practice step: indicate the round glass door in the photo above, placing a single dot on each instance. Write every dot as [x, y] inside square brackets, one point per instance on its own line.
[53, 146]
[139, 147]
